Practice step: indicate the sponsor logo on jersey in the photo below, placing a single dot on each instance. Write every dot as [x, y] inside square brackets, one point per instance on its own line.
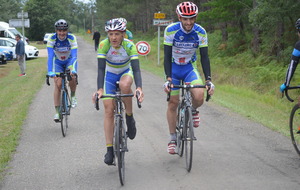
[184, 45]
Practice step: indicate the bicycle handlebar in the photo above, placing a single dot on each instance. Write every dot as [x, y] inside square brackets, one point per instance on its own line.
[67, 73]
[287, 94]
[137, 99]
[116, 96]
[188, 86]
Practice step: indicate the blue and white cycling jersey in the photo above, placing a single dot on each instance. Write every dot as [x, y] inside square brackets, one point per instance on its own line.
[185, 43]
[62, 52]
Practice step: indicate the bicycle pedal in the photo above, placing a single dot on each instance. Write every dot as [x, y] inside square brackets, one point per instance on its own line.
[195, 138]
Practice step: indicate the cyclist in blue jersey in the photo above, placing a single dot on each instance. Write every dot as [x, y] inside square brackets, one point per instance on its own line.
[117, 61]
[294, 60]
[182, 39]
[62, 54]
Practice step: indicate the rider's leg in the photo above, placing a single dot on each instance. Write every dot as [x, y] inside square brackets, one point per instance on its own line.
[108, 120]
[171, 117]
[109, 130]
[197, 97]
[56, 95]
[172, 112]
[125, 86]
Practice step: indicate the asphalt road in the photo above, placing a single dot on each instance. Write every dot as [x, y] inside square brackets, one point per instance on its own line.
[231, 152]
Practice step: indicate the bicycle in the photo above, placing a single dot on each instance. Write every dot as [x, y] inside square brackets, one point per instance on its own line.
[120, 135]
[294, 122]
[184, 123]
[65, 100]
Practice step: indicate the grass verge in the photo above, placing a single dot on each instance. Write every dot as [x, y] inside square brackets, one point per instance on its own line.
[16, 95]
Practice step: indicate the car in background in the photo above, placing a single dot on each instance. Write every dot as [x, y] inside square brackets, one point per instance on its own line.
[46, 36]
[10, 45]
[2, 58]
[9, 54]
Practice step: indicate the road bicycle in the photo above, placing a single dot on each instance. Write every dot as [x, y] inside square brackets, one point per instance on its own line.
[65, 100]
[184, 123]
[294, 120]
[120, 135]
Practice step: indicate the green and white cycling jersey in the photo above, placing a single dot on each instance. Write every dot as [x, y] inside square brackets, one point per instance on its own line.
[117, 59]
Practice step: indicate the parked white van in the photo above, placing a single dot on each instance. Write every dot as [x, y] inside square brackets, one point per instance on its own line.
[9, 32]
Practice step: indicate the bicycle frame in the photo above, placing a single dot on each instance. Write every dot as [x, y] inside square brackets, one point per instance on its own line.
[184, 126]
[65, 100]
[120, 135]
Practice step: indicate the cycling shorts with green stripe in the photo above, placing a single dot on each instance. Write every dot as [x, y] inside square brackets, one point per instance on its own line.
[187, 73]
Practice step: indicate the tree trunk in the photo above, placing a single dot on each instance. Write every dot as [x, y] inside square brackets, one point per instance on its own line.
[255, 44]
[224, 31]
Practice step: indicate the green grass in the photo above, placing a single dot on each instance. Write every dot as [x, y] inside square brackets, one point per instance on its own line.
[16, 95]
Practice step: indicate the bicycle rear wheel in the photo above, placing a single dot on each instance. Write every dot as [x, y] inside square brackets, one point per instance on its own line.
[295, 127]
[188, 135]
[119, 148]
[64, 112]
[179, 134]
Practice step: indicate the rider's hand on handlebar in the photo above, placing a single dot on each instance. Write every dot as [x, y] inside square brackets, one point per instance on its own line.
[210, 87]
[167, 86]
[282, 87]
[141, 94]
[99, 92]
[51, 74]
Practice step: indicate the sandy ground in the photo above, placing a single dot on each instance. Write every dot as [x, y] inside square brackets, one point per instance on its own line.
[42, 52]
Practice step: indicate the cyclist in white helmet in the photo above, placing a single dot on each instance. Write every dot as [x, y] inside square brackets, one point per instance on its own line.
[117, 61]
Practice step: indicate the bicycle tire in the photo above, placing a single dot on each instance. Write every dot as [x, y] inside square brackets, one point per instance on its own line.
[295, 127]
[188, 133]
[64, 113]
[179, 127]
[118, 149]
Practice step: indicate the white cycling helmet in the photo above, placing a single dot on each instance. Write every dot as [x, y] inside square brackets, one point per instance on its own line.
[115, 24]
[123, 20]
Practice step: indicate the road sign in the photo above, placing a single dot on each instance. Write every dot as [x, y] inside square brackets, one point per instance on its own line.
[143, 47]
[162, 22]
[25, 14]
[18, 23]
[159, 15]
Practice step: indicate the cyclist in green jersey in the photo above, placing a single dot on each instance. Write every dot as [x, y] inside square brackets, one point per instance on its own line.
[117, 61]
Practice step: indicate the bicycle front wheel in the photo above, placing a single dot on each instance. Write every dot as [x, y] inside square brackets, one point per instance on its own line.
[295, 127]
[64, 113]
[119, 148]
[179, 132]
[188, 135]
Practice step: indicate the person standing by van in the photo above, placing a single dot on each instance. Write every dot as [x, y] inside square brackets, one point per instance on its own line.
[20, 53]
